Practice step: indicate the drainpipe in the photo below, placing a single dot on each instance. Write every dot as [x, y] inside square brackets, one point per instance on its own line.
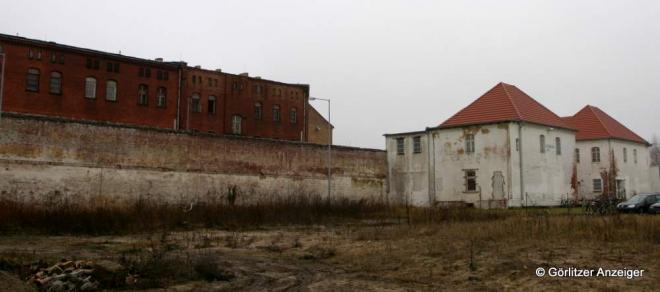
[520, 158]
[428, 163]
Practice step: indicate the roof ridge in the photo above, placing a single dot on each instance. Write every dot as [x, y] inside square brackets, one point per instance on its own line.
[515, 107]
[591, 108]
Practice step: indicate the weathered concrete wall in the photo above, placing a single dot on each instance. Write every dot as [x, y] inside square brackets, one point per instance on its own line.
[43, 157]
[633, 173]
[408, 172]
[547, 175]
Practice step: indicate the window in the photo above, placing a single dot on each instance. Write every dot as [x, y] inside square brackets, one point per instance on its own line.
[90, 87]
[417, 144]
[211, 105]
[147, 72]
[97, 64]
[625, 155]
[61, 61]
[166, 75]
[55, 83]
[276, 113]
[517, 144]
[595, 154]
[558, 145]
[470, 180]
[577, 155]
[32, 80]
[257, 88]
[116, 68]
[635, 155]
[236, 124]
[469, 143]
[109, 67]
[161, 97]
[542, 143]
[53, 57]
[598, 185]
[159, 75]
[88, 63]
[210, 81]
[258, 111]
[141, 72]
[400, 147]
[111, 90]
[195, 104]
[194, 79]
[143, 94]
[293, 115]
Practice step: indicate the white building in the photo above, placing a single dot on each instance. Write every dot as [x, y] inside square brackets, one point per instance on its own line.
[504, 149]
[604, 144]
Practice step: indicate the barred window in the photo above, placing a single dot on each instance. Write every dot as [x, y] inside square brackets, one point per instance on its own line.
[417, 144]
[111, 90]
[598, 185]
[470, 180]
[32, 80]
[400, 146]
[55, 84]
[293, 115]
[469, 143]
[143, 94]
[90, 87]
[595, 154]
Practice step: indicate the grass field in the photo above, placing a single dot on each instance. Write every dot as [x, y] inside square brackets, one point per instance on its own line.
[375, 248]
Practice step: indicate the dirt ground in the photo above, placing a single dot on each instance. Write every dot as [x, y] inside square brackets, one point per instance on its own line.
[375, 256]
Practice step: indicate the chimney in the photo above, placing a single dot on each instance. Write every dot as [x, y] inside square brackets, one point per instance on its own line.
[245, 74]
[198, 67]
[257, 77]
[159, 59]
[218, 70]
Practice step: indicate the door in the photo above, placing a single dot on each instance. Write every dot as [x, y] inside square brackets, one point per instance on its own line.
[621, 188]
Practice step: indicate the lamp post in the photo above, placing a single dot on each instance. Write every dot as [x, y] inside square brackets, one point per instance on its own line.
[329, 145]
[2, 79]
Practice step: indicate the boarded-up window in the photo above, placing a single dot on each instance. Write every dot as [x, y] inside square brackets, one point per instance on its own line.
[417, 144]
[469, 143]
[598, 185]
[400, 149]
[470, 180]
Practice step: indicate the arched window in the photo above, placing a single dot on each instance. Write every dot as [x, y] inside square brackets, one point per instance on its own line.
[161, 97]
[293, 115]
[236, 124]
[143, 94]
[276, 113]
[595, 154]
[211, 105]
[32, 80]
[90, 87]
[111, 90]
[55, 82]
[258, 111]
[195, 104]
[542, 143]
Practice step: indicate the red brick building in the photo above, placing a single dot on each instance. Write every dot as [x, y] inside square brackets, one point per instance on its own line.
[46, 78]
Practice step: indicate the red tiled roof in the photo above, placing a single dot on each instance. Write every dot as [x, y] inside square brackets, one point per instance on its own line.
[593, 123]
[502, 103]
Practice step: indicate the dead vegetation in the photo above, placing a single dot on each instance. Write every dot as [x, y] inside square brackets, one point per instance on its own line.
[326, 248]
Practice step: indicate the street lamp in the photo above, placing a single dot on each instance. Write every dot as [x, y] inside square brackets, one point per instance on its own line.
[2, 78]
[329, 145]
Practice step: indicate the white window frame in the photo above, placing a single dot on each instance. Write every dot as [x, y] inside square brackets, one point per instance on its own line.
[90, 87]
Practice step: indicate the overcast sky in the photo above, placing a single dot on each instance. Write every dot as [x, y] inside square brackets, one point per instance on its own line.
[388, 66]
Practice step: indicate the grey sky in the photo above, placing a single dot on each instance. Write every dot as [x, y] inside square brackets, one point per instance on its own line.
[388, 66]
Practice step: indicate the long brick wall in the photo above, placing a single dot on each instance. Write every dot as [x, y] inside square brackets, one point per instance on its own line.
[44, 159]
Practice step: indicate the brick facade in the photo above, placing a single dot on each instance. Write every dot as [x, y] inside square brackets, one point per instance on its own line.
[50, 79]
